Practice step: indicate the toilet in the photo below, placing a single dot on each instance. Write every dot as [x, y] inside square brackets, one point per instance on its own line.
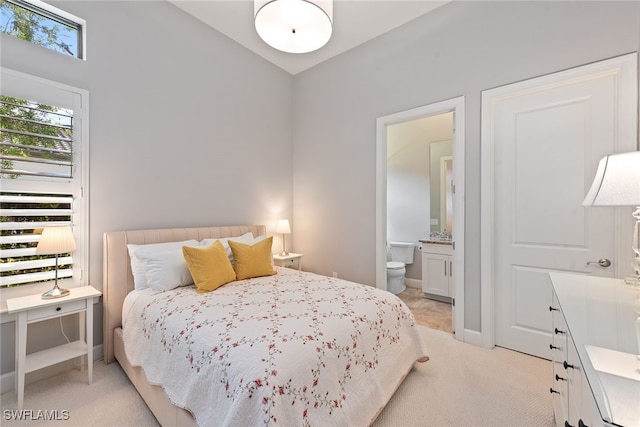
[399, 254]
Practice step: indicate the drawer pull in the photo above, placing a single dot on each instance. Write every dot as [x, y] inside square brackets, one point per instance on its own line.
[559, 378]
[58, 308]
[553, 391]
[558, 331]
[552, 309]
[553, 347]
[567, 365]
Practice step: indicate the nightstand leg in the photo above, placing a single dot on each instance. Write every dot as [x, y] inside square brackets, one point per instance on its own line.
[21, 356]
[82, 335]
[89, 338]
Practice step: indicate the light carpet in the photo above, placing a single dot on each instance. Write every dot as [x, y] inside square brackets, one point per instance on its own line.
[462, 385]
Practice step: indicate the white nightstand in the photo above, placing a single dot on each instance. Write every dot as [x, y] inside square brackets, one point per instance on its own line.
[33, 308]
[292, 260]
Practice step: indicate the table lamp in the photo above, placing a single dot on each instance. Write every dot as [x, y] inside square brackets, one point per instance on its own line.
[617, 183]
[56, 240]
[283, 227]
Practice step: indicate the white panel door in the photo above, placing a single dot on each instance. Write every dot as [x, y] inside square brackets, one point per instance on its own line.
[547, 136]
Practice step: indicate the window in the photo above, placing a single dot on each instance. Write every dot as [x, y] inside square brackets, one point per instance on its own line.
[43, 175]
[44, 25]
[36, 139]
[24, 215]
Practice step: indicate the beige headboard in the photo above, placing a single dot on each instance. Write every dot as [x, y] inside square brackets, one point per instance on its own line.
[116, 268]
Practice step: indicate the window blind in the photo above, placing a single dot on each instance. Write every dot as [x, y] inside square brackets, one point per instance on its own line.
[23, 218]
[44, 147]
[35, 140]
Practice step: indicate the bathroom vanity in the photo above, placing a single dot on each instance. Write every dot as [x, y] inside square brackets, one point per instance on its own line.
[437, 269]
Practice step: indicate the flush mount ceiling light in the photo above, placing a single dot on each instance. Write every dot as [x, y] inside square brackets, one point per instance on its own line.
[294, 26]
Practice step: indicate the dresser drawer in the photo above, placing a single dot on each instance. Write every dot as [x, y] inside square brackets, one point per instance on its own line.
[56, 310]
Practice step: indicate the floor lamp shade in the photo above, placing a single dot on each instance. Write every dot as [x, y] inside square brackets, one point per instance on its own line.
[56, 240]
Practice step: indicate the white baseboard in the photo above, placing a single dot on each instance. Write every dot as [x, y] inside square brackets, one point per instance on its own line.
[413, 283]
[474, 337]
[468, 336]
[7, 381]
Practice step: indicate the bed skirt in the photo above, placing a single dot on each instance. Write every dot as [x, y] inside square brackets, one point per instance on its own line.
[167, 414]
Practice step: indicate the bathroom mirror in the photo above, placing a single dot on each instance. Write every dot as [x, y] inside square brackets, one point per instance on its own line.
[440, 185]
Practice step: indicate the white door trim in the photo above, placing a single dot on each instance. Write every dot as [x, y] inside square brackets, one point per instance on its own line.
[455, 105]
[625, 69]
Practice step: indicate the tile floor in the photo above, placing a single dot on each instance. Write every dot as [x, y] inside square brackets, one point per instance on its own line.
[430, 313]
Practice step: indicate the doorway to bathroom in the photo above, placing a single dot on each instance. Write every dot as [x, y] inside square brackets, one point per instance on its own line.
[420, 196]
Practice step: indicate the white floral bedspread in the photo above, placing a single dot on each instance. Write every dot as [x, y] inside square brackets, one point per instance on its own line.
[293, 349]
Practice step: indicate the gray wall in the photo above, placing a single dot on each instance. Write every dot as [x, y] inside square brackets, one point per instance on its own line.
[461, 48]
[187, 128]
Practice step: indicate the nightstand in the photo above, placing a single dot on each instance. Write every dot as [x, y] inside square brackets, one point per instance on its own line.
[32, 309]
[292, 260]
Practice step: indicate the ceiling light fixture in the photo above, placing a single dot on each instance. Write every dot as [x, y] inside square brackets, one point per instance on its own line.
[294, 26]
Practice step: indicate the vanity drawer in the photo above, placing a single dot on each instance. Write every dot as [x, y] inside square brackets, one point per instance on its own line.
[56, 310]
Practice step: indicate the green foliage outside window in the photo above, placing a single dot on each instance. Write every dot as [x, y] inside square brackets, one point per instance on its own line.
[26, 128]
[27, 22]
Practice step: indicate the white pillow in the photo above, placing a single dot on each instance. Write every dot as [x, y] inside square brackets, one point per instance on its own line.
[165, 270]
[246, 238]
[138, 268]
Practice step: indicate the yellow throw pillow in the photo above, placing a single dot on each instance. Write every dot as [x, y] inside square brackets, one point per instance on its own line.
[210, 267]
[252, 261]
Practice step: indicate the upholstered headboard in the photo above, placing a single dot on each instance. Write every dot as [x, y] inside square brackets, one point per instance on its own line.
[116, 269]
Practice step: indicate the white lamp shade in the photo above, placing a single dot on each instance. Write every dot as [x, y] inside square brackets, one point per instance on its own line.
[294, 26]
[283, 226]
[56, 240]
[617, 181]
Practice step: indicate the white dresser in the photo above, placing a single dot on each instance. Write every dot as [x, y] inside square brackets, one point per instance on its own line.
[594, 352]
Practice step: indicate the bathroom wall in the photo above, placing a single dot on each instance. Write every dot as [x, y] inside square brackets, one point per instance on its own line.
[410, 174]
[408, 192]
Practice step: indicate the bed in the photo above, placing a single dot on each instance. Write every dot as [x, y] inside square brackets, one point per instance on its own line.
[291, 348]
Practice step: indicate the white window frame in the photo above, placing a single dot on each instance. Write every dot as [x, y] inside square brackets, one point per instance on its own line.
[25, 86]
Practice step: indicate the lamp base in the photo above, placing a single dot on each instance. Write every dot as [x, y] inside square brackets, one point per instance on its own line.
[284, 253]
[56, 292]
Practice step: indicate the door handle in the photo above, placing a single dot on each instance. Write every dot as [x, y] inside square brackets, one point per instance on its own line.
[604, 263]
